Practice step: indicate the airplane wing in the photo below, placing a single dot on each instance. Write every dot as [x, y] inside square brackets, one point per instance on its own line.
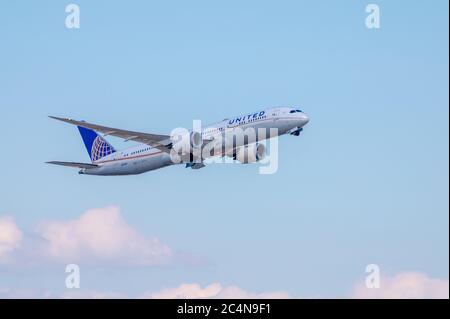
[161, 142]
[73, 164]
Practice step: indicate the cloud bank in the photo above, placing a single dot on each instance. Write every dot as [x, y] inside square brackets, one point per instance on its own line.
[407, 285]
[103, 236]
[212, 291]
[10, 238]
[98, 235]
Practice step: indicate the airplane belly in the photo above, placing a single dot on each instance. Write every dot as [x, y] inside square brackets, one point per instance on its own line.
[283, 126]
[131, 166]
[150, 163]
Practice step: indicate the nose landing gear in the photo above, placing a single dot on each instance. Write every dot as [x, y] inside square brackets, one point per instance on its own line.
[296, 132]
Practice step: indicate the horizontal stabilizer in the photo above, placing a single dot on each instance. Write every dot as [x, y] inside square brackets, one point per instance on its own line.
[73, 164]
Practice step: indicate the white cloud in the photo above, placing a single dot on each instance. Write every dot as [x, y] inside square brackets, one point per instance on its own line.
[408, 285]
[215, 290]
[184, 291]
[98, 235]
[101, 234]
[10, 238]
[403, 285]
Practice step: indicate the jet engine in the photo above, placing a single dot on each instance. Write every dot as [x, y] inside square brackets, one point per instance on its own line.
[185, 142]
[250, 153]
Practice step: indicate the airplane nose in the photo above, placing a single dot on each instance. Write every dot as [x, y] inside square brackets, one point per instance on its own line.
[305, 119]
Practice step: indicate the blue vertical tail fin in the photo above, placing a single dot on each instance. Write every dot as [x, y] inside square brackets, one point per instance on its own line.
[96, 146]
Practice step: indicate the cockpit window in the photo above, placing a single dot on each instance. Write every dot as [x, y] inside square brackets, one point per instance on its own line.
[295, 111]
[292, 111]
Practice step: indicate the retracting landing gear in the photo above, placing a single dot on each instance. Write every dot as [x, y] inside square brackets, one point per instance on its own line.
[195, 165]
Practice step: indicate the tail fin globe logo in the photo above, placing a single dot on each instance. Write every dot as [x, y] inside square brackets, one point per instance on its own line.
[100, 148]
[96, 146]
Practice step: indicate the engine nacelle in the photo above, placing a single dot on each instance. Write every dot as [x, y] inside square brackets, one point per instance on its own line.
[184, 142]
[185, 146]
[195, 139]
[251, 153]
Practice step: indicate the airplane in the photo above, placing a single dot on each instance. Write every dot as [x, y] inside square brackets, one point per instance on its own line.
[156, 151]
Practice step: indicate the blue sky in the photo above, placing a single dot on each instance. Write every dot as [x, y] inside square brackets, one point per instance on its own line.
[366, 182]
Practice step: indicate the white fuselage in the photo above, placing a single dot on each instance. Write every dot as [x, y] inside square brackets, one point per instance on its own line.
[142, 158]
